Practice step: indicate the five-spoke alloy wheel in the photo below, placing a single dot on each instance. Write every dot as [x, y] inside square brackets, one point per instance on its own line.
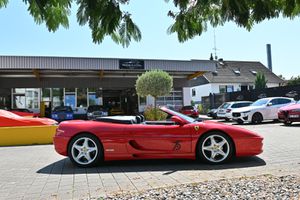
[85, 150]
[215, 148]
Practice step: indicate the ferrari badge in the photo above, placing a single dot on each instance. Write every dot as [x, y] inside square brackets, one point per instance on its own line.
[196, 128]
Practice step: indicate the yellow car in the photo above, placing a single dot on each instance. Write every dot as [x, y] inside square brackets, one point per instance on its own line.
[17, 130]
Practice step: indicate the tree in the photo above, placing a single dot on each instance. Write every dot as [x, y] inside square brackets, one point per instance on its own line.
[294, 81]
[155, 83]
[260, 81]
[107, 18]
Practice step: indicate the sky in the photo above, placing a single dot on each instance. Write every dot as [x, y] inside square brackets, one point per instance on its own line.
[20, 35]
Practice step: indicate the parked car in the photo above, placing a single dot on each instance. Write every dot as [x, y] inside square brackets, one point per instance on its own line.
[62, 113]
[225, 111]
[24, 112]
[212, 113]
[190, 111]
[260, 110]
[87, 143]
[95, 111]
[18, 130]
[289, 114]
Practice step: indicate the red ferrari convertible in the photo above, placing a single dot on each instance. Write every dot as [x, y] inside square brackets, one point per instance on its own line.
[87, 143]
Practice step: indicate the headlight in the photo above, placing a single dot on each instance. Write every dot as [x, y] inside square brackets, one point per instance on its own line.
[89, 114]
[295, 110]
[69, 115]
[54, 116]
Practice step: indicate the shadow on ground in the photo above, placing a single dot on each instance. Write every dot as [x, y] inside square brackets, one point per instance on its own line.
[65, 166]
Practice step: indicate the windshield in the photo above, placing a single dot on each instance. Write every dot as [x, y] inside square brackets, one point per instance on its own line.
[260, 102]
[187, 118]
[63, 109]
[225, 105]
[95, 108]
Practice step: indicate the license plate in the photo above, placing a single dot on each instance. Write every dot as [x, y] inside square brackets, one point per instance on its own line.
[293, 116]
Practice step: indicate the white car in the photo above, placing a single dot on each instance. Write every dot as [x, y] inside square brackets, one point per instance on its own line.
[260, 110]
[226, 109]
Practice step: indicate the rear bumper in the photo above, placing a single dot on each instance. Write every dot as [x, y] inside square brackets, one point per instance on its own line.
[249, 146]
[61, 144]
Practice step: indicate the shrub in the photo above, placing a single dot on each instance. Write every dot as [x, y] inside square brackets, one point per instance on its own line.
[149, 114]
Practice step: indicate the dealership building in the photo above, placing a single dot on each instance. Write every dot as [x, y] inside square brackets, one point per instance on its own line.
[32, 81]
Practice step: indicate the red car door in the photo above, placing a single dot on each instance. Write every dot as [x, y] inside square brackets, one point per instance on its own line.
[153, 140]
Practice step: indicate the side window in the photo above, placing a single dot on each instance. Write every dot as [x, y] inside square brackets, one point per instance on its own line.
[284, 101]
[274, 102]
[236, 105]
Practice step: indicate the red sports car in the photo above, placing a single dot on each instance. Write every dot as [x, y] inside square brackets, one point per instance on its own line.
[290, 114]
[130, 137]
[190, 111]
[24, 112]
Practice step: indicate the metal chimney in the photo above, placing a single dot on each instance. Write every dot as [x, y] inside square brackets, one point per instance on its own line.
[269, 56]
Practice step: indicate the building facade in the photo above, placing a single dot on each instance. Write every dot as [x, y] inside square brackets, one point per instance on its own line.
[30, 81]
[231, 76]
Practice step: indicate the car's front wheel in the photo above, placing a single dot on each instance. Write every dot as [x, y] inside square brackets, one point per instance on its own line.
[257, 118]
[85, 150]
[215, 148]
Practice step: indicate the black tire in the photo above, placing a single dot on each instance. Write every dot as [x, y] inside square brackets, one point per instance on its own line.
[240, 122]
[93, 142]
[227, 119]
[257, 118]
[287, 123]
[204, 154]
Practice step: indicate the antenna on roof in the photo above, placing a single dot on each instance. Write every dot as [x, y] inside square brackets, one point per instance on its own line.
[215, 45]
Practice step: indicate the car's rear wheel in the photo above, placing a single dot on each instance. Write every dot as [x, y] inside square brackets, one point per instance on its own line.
[85, 150]
[215, 148]
[257, 118]
[287, 123]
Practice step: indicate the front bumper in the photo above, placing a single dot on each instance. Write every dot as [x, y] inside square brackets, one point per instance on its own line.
[289, 117]
[243, 117]
[249, 146]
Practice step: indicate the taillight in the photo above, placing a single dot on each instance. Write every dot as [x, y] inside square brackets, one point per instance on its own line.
[228, 110]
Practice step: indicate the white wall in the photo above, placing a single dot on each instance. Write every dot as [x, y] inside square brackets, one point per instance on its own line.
[202, 90]
[187, 96]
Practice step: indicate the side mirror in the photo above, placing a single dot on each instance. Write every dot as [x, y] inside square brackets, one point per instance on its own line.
[178, 120]
[269, 104]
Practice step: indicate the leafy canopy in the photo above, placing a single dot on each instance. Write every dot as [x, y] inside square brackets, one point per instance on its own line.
[155, 83]
[260, 81]
[191, 18]
[294, 81]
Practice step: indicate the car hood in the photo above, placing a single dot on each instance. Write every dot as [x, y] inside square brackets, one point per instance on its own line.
[290, 107]
[248, 108]
[233, 131]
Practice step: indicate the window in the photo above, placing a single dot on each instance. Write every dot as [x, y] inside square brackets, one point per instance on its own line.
[46, 94]
[81, 97]
[57, 97]
[142, 101]
[193, 92]
[174, 100]
[253, 72]
[229, 88]
[70, 97]
[222, 88]
[95, 96]
[284, 101]
[237, 72]
[275, 102]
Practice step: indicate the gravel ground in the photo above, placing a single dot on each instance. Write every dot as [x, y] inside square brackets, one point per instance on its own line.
[260, 187]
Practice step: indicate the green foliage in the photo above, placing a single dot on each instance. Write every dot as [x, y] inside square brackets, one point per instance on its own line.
[200, 108]
[191, 18]
[150, 113]
[260, 81]
[294, 81]
[155, 83]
